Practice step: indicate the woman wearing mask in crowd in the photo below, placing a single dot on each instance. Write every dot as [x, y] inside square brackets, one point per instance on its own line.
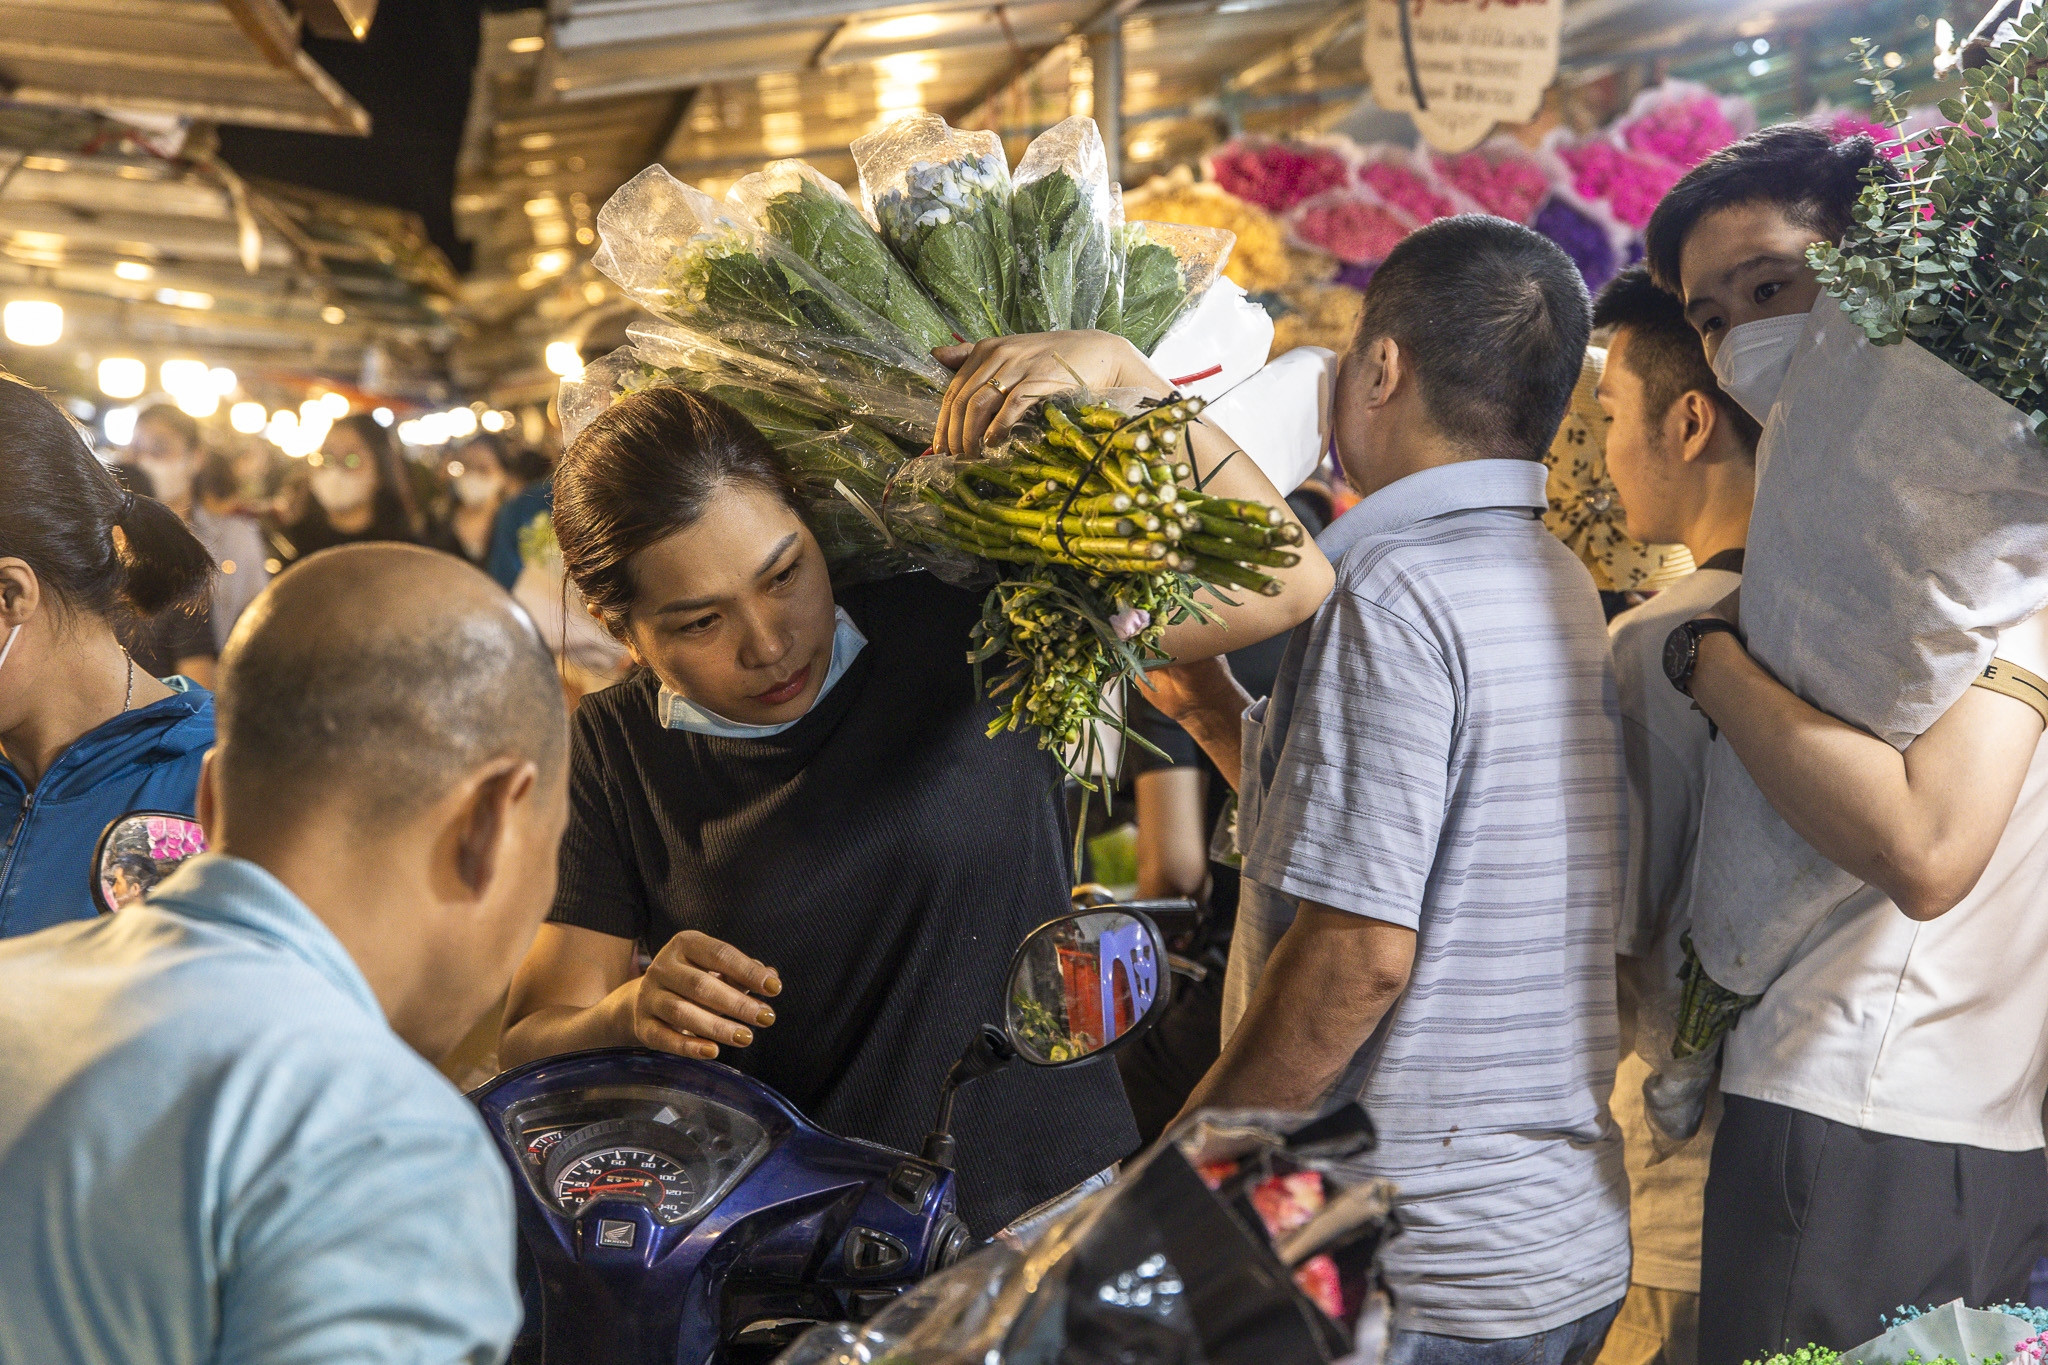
[359, 491]
[803, 778]
[477, 485]
[85, 735]
[202, 488]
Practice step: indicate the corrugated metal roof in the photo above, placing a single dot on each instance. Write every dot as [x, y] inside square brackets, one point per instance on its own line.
[228, 61]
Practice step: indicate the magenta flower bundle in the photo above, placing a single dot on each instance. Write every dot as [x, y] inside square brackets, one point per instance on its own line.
[1503, 183]
[1683, 131]
[1405, 188]
[1630, 183]
[1276, 175]
[1351, 224]
[173, 840]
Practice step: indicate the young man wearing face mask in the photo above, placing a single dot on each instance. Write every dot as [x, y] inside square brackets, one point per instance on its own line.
[1881, 1142]
[1683, 458]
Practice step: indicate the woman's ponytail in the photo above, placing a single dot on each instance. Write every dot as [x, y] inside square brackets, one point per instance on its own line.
[165, 564]
[61, 509]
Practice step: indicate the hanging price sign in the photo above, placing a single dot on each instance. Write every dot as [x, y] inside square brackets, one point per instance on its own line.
[1458, 67]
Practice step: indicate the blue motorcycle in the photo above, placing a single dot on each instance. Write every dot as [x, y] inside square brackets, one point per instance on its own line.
[676, 1210]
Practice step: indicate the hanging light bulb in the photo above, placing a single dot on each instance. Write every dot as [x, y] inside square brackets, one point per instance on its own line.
[33, 322]
[123, 377]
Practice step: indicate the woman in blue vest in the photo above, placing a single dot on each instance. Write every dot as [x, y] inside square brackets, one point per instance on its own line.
[85, 735]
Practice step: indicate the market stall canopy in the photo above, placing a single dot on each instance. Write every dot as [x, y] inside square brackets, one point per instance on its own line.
[149, 248]
[227, 61]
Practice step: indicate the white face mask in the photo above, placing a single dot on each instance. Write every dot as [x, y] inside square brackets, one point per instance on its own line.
[476, 486]
[8, 648]
[1753, 359]
[343, 490]
[172, 479]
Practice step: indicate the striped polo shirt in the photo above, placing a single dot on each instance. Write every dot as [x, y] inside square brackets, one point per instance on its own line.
[1442, 751]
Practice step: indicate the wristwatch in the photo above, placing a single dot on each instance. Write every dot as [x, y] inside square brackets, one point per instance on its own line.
[1682, 649]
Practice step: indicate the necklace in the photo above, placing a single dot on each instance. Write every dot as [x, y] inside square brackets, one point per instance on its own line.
[129, 700]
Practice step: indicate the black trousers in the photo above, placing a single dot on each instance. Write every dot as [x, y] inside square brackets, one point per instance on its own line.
[1815, 1229]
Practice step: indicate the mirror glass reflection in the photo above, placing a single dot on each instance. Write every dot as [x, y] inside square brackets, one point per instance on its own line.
[1081, 983]
[140, 850]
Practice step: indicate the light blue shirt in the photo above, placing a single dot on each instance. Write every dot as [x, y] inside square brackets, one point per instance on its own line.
[678, 712]
[214, 1148]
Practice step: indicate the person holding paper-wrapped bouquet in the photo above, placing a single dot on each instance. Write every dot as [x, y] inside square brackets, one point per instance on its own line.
[1882, 1139]
[795, 805]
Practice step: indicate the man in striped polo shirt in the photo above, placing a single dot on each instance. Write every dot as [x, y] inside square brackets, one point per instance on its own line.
[1433, 813]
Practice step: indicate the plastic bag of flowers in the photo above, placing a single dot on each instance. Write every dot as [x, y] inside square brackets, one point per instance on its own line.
[1277, 175]
[675, 252]
[814, 218]
[1683, 122]
[1238, 1240]
[941, 199]
[1603, 170]
[1902, 488]
[1168, 269]
[1499, 175]
[1405, 181]
[1061, 216]
[1351, 223]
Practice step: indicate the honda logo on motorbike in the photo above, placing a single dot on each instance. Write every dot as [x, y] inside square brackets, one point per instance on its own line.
[612, 1232]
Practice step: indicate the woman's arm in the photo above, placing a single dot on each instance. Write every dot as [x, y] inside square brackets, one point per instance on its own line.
[996, 383]
[576, 990]
[1919, 826]
[1173, 843]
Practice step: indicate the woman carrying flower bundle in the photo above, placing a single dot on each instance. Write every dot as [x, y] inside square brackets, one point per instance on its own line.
[806, 780]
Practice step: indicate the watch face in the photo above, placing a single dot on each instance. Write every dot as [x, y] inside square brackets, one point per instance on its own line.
[1678, 653]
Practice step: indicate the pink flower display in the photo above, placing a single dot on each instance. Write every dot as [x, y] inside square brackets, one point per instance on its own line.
[1847, 123]
[1683, 132]
[1509, 186]
[1630, 182]
[1405, 188]
[174, 840]
[1275, 175]
[1352, 227]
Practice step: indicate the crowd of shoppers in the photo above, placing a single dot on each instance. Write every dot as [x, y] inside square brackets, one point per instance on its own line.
[1466, 811]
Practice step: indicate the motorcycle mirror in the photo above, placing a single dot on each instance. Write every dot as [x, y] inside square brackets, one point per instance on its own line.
[138, 850]
[1084, 984]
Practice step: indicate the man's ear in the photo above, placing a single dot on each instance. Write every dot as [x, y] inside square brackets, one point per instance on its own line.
[1383, 368]
[1695, 417]
[486, 821]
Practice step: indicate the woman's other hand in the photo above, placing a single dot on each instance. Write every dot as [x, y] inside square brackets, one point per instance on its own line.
[699, 993]
[995, 382]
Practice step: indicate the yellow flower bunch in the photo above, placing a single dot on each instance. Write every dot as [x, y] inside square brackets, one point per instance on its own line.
[1261, 263]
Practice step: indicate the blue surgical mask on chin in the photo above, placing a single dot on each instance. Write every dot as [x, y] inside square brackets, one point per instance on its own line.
[678, 712]
[1754, 359]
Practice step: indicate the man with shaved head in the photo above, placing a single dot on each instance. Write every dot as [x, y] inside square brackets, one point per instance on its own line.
[222, 1138]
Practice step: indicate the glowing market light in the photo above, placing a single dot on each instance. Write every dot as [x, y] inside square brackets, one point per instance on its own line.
[247, 418]
[184, 376]
[564, 359]
[335, 405]
[198, 402]
[123, 377]
[492, 420]
[33, 322]
[461, 423]
[223, 380]
[119, 424]
[383, 417]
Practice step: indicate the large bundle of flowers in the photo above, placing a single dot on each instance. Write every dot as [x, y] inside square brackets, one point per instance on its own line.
[1353, 224]
[1277, 175]
[815, 318]
[1499, 176]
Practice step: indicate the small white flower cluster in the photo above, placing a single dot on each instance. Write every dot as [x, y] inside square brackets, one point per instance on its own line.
[935, 193]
